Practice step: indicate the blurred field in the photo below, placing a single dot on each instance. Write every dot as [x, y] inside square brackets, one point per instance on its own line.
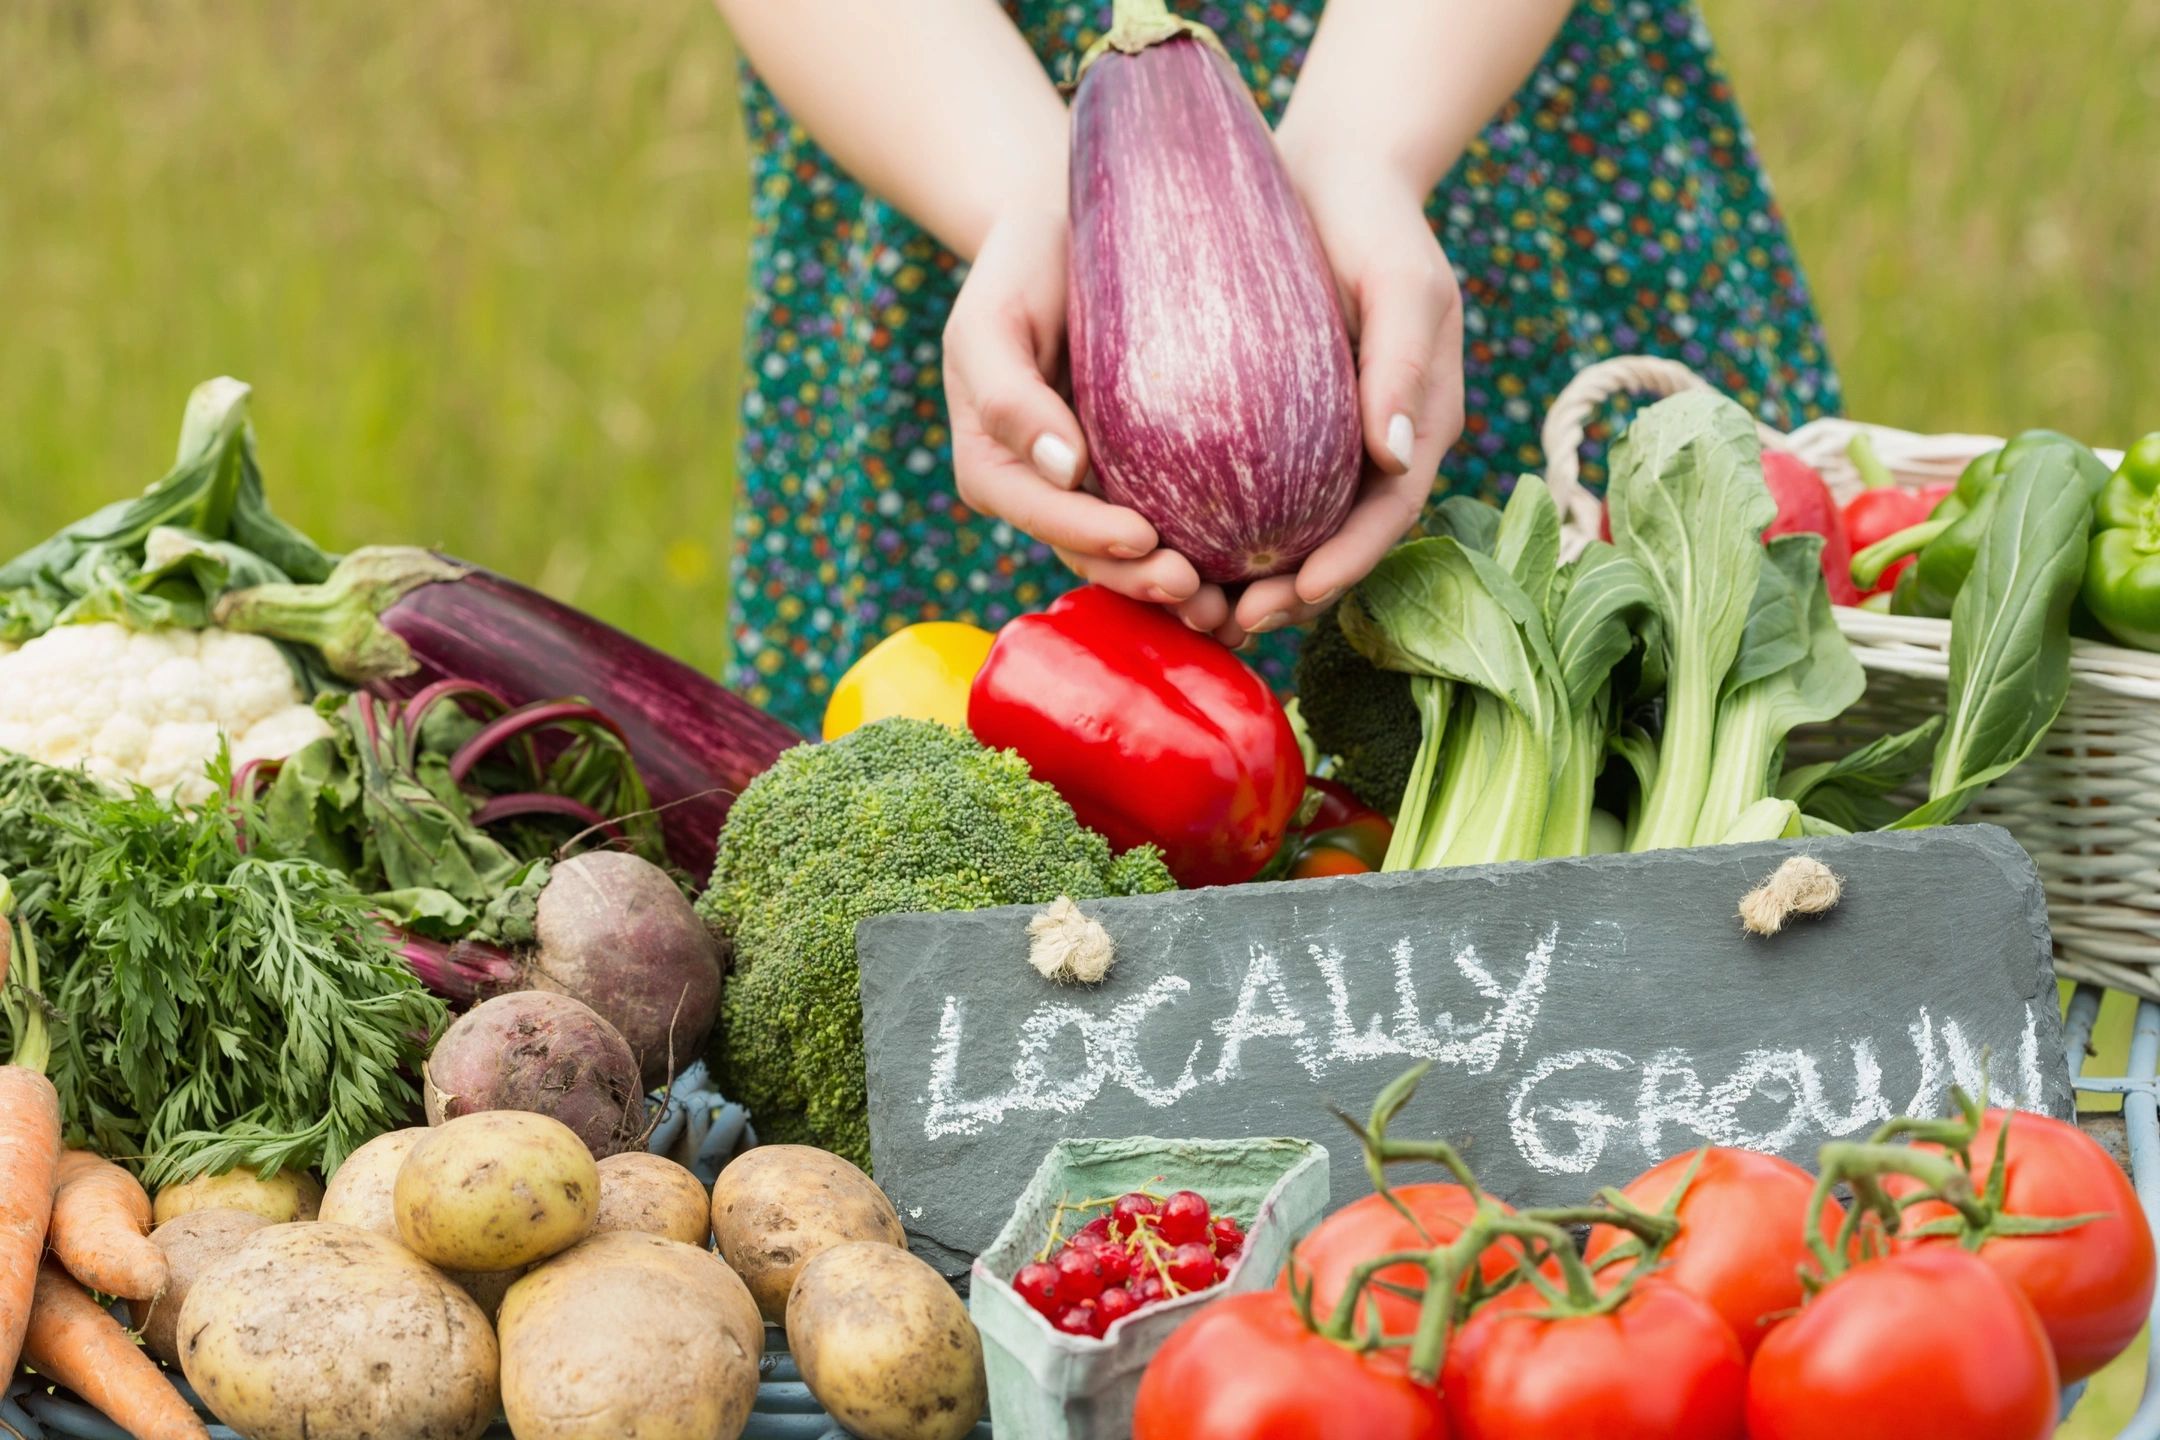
[482, 262]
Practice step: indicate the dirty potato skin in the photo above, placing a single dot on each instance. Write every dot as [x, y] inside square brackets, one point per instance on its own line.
[653, 1195]
[328, 1332]
[287, 1195]
[885, 1345]
[630, 1334]
[362, 1193]
[495, 1190]
[778, 1205]
[193, 1244]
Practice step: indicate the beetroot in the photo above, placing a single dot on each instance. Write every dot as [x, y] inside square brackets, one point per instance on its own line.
[613, 932]
[616, 933]
[1211, 367]
[546, 1053]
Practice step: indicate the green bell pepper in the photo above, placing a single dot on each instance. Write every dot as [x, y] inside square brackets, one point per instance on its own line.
[1948, 539]
[2122, 569]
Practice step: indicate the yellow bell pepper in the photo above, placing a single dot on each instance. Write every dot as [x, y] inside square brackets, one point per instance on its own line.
[922, 672]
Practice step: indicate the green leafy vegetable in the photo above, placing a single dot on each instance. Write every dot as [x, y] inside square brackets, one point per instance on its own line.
[1689, 505]
[208, 1007]
[383, 799]
[1593, 605]
[1435, 610]
[1764, 700]
[163, 558]
[1853, 791]
[2010, 631]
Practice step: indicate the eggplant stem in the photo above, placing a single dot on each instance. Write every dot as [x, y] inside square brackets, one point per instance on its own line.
[1137, 24]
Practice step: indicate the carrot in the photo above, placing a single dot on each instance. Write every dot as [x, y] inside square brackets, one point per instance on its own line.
[101, 1227]
[29, 1151]
[73, 1342]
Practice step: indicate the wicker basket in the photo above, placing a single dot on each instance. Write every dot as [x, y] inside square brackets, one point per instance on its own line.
[2086, 805]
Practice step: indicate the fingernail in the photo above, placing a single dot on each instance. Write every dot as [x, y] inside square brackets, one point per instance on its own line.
[1401, 439]
[1125, 552]
[1055, 460]
[1328, 599]
[1265, 623]
[1193, 625]
[1160, 596]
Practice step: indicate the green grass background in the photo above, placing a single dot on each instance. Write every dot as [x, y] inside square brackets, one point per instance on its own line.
[484, 262]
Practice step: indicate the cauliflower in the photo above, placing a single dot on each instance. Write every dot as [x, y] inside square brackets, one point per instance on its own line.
[148, 706]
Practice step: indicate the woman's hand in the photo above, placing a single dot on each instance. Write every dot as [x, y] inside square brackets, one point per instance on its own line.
[1405, 316]
[1018, 453]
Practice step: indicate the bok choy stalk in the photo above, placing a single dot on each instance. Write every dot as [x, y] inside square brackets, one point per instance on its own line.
[1689, 505]
[1794, 669]
[1441, 612]
[1593, 609]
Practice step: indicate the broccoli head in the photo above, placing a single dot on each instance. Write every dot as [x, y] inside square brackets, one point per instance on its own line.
[1358, 713]
[901, 815]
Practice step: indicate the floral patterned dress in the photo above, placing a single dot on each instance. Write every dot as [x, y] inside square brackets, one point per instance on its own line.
[1614, 207]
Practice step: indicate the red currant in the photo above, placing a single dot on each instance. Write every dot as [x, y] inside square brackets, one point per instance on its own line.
[1114, 1264]
[1222, 1271]
[1079, 1274]
[1095, 1232]
[1129, 1208]
[1038, 1285]
[1192, 1266]
[1113, 1306]
[1228, 1238]
[1077, 1319]
[1184, 1218]
[1149, 1288]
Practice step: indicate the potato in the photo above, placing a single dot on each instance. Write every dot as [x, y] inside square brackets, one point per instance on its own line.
[778, 1205]
[193, 1243]
[362, 1193]
[359, 1192]
[287, 1195]
[495, 1190]
[329, 1332]
[885, 1345]
[630, 1334]
[653, 1195]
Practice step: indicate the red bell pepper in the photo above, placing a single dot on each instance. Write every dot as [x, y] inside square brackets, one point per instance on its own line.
[1154, 734]
[1878, 514]
[1804, 503]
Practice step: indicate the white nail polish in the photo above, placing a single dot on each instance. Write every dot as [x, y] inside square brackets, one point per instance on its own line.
[1055, 460]
[1401, 439]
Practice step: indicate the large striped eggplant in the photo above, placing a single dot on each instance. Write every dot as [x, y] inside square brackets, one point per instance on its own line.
[1210, 364]
[397, 619]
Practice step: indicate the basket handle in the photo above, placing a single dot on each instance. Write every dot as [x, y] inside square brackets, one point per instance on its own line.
[1581, 398]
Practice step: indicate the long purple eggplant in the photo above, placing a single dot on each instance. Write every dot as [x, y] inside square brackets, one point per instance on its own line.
[396, 620]
[1210, 364]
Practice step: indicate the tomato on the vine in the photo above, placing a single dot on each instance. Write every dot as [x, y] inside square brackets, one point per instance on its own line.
[1742, 1237]
[1248, 1367]
[2092, 1286]
[1661, 1365]
[1365, 1228]
[1925, 1341]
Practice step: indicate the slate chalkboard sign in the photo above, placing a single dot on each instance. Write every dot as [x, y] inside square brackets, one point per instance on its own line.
[1584, 1018]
